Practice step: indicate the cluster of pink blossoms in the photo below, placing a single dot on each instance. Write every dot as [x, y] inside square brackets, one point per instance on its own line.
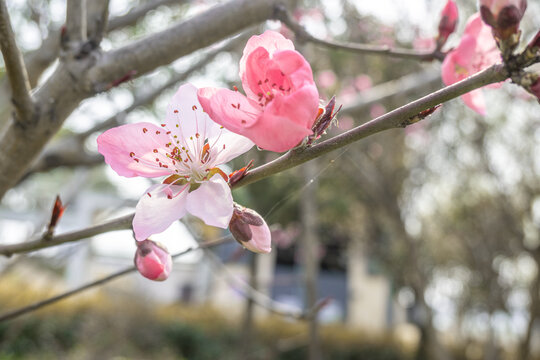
[204, 129]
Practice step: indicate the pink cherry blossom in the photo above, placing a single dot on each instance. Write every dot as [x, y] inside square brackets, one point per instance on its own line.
[152, 260]
[250, 230]
[476, 51]
[281, 101]
[187, 148]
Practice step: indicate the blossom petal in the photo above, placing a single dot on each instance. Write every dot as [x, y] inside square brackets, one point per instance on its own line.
[186, 118]
[155, 211]
[131, 150]
[475, 100]
[218, 103]
[271, 41]
[212, 202]
[233, 145]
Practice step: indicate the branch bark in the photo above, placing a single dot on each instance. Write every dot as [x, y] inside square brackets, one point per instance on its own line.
[166, 46]
[16, 71]
[366, 49]
[76, 20]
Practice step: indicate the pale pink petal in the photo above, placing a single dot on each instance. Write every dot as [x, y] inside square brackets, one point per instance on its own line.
[277, 133]
[475, 100]
[212, 202]
[261, 240]
[448, 69]
[233, 145]
[229, 108]
[131, 150]
[269, 40]
[155, 211]
[186, 118]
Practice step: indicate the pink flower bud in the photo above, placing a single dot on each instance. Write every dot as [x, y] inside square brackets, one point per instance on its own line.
[503, 15]
[250, 230]
[447, 24]
[153, 260]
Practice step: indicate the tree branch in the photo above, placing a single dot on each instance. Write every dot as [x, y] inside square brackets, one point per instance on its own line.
[285, 17]
[76, 20]
[121, 223]
[40, 304]
[166, 46]
[97, 20]
[16, 71]
[424, 82]
[394, 119]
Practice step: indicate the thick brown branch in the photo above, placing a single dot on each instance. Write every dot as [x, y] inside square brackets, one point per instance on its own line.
[38, 305]
[16, 71]
[367, 49]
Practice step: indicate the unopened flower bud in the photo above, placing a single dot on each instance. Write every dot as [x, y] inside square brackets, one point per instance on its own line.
[447, 24]
[250, 230]
[503, 15]
[153, 260]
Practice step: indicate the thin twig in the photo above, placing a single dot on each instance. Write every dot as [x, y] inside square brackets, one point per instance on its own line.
[38, 305]
[121, 223]
[16, 71]
[283, 15]
[394, 119]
